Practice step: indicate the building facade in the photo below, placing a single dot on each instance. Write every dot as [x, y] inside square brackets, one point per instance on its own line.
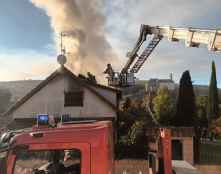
[154, 84]
[63, 93]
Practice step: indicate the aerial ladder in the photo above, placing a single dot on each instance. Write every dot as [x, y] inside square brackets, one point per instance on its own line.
[193, 37]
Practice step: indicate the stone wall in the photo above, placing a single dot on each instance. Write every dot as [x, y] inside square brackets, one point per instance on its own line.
[131, 167]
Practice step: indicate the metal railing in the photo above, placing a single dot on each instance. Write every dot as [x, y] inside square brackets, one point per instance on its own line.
[210, 152]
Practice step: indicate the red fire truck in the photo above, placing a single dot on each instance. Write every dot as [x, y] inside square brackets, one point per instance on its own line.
[82, 147]
[79, 147]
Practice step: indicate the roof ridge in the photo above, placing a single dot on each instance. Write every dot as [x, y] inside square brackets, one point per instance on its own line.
[86, 84]
[31, 93]
[42, 84]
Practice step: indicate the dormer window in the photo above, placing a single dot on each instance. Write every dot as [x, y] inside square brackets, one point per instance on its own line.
[74, 98]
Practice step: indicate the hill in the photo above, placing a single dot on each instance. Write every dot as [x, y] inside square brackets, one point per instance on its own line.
[19, 88]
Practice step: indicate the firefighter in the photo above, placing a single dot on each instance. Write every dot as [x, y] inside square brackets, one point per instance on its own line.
[56, 166]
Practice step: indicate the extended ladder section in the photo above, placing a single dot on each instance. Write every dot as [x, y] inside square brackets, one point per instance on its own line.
[193, 37]
[148, 50]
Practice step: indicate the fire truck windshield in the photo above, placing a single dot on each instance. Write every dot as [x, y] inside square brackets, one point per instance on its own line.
[66, 161]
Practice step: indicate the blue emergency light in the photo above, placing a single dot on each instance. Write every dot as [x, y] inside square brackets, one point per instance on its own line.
[42, 119]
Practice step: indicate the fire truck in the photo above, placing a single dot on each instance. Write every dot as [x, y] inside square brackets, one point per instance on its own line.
[193, 37]
[69, 147]
[72, 147]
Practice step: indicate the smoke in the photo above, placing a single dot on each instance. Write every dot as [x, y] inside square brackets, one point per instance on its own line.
[82, 20]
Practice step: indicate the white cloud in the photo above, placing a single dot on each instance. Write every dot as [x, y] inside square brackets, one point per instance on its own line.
[26, 65]
[122, 19]
[123, 22]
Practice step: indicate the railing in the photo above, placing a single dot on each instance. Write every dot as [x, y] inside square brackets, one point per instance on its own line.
[210, 152]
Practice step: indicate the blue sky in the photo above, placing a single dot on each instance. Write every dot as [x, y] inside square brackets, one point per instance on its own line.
[125, 18]
[27, 44]
[24, 26]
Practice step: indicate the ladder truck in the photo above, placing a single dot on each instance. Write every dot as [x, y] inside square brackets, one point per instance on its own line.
[193, 37]
[68, 147]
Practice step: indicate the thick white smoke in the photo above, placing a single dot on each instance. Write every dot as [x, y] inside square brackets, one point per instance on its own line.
[86, 44]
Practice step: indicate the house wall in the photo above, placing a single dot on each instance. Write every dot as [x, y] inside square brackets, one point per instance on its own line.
[169, 85]
[50, 99]
[108, 94]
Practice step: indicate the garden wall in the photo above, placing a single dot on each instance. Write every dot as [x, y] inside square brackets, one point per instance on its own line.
[207, 169]
[131, 167]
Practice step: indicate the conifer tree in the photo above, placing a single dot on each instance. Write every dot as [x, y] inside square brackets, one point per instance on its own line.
[186, 106]
[213, 100]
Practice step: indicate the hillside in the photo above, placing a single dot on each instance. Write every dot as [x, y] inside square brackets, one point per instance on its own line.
[19, 88]
[139, 90]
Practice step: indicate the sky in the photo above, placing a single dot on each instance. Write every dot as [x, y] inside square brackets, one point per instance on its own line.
[29, 35]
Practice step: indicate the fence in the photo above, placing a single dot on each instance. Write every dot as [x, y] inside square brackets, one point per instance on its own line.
[210, 152]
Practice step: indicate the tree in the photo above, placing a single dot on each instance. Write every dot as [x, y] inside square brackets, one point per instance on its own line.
[186, 107]
[163, 106]
[201, 105]
[132, 140]
[213, 100]
[132, 125]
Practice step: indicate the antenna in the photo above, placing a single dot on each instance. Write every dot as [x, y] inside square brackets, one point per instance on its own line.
[62, 58]
[62, 34]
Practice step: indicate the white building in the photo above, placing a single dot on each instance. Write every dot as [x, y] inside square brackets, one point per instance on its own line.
[63, 93]
[155, 84]
[168, 83]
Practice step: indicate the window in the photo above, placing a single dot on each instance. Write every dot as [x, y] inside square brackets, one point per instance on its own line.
[48, 161]
[73, 98]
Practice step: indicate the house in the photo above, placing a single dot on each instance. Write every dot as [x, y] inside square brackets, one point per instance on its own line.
[154, 84]
[64, 93]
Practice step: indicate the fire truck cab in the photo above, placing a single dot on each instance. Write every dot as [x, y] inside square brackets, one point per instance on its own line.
[83, 147]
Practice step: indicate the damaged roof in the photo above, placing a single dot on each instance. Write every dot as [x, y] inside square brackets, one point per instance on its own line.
[60, 71]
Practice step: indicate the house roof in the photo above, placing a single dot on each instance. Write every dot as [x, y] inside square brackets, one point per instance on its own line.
[99, 85]
[60, 71]
[166, 81]
[161, 81]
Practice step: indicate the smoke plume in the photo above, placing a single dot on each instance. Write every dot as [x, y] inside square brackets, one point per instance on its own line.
[86, 45]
